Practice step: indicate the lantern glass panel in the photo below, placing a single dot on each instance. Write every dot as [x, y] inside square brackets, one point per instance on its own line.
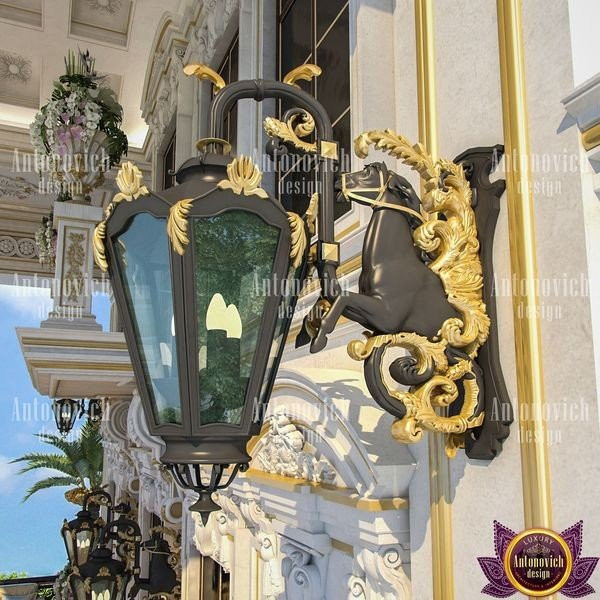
[234, 253]
[103, 590]
[143, 258]
[84, 540]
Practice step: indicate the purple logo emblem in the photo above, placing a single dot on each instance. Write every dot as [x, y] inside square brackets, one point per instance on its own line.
[538, 562]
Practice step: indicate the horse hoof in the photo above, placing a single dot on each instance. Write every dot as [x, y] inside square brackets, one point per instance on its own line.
[318, 343]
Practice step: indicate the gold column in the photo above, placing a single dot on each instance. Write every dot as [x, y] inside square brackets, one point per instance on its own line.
[528, 343]
[439, 466]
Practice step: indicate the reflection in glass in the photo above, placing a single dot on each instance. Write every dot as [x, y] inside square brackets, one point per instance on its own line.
[143, 257]
[233, 254]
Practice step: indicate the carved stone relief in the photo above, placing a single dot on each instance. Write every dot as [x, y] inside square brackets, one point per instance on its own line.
[282, 451]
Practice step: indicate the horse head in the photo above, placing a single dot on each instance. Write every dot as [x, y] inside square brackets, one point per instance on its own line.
[375, 185]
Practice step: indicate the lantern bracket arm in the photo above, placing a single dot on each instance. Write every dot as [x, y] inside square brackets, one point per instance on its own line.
[259, 90]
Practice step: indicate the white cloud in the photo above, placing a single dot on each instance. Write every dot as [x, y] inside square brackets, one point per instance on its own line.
[8, 472]
[27, 302]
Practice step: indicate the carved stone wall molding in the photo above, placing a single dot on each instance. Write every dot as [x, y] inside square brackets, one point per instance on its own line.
[303, 578]
[379, 574]
[20, 247]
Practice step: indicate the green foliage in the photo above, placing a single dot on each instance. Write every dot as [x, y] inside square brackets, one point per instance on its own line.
[13, 575]
[79, 462]
[46, 593]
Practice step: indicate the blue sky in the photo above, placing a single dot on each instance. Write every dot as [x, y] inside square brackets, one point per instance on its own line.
[29, 532]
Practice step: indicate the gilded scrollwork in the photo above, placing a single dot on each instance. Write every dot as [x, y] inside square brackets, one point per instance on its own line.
[448, 237]
[299, 124]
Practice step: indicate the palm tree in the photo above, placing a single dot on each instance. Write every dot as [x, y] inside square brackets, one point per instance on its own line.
[79, 462]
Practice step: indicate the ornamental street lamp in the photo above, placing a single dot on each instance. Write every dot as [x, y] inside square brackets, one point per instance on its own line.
[66, 411]
[206, 277]
[80, 534]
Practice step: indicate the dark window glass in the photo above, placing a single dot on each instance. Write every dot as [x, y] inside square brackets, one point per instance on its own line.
[327, 12]
[169, 165]
[333, 85]
[315, 31]
[229, 72]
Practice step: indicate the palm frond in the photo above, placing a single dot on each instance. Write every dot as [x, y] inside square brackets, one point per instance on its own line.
[49, 482]
[79, 461]
[56, 462]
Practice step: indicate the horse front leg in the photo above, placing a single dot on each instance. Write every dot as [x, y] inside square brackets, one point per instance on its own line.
[357, 307]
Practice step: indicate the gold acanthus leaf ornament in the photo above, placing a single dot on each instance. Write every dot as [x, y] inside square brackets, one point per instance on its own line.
[243, 177]
[291, 131]
[98, 246]
[205, 73]
[177, 225]
[449, 236]
[130, 182]
[299, 242]
[304, 72]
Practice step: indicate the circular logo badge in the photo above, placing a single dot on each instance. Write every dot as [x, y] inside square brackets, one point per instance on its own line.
[538, 562]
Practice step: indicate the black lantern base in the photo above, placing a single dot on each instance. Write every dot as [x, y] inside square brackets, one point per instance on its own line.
[191, 477]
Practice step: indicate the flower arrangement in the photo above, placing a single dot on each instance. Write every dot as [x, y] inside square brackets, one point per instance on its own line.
[79, 110]
[45, 240]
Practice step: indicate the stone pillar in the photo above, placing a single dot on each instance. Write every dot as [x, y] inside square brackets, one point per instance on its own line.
[72, 289]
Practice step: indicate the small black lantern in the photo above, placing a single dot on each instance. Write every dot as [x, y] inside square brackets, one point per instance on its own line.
[66, 411]
[102, 577]
[81, 534]
[206, 277]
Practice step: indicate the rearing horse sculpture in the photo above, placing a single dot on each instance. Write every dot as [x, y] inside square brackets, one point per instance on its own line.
[423, 288]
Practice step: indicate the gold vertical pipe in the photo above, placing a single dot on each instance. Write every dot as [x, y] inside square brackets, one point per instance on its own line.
[439, 466]
[528, 340]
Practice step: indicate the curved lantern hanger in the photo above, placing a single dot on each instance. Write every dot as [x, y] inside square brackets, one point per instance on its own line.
[259, 90]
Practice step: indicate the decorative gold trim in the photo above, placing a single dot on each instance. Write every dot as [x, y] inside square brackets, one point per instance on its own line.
[299, 242]
[291, 131]
[204, 142]
[537, 497]
[442, 546]
[329, 149]
[344, 496]
[243, 177]
[177, 225]
[305, 72]
[590, 138]
[98, 246]
[310, 216]
[205, 73]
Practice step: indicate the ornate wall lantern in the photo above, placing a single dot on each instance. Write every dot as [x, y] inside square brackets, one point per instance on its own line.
[101, 577]
[67, 410]
[189, 266]
[81, 534]
[94, 570]
[205, 276]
